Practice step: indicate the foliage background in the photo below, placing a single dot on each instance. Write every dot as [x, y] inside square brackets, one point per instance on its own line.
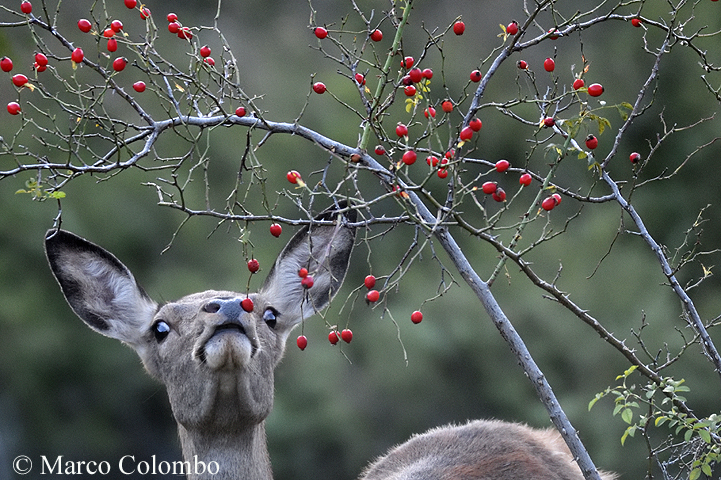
[67, 391]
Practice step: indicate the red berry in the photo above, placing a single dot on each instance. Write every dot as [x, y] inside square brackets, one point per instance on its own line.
[376, 35]
[302, 342]
[442, 173]
[13, 108]
[19, 80]
[303, 272]
[459, 27]
[26, 7]
[416, 317]
[432, 161]
[450, 153]
[549, 65]
[185, 34]
[578, 83]
[144, 13]
[636, 22]
[39, 68]
[370, 281]
[549, 122]
[6, 64]
[476, 76]
[410, 90]
[447, 106]
[427, 73]
[293, 176]
[557, 198]
[172, 17]
[320, 32]
[525, 179]
[499, 195]
[240, 111]
[112, 45]
[635, 157]
[333, 337]
[409, 158]
[591, 142]
[522, 64]
[307, 282]
[548, 203]
[379, 150]
[209, 61]
[489, 187]
[205, 51]
[401, 130]
[346, 335]
[173, 27]
[416, 74]
[407, 62]
[373, 296]
[502, 165]
[360, 79]
[595, 89]
[247, 304]
[131, 3]
[554, 33]
[108, 32]
[475, 124]
[466, 133]
[77, 55]
[319, 87]
[116, 25]
[276, 230]
[41, 59]
[430, 112]
[119, 64]
[512, 28]
[139, 86]
[406, 80]
[253, 265]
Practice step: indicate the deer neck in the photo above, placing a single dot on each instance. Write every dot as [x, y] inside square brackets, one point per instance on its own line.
[236, 455]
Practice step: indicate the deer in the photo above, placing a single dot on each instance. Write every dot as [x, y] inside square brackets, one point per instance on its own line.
[216, 358]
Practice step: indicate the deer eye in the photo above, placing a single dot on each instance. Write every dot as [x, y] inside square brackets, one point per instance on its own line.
[269, 316]
[161, 330]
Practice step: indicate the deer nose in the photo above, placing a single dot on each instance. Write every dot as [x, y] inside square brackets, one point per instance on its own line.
[230, 309]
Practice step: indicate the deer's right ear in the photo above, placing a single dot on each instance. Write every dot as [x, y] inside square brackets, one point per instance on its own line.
[99, 288]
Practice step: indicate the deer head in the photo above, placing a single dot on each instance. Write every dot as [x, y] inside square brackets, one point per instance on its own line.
[215, 359]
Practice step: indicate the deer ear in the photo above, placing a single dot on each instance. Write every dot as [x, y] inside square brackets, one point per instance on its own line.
[99, 288]
[325, 251]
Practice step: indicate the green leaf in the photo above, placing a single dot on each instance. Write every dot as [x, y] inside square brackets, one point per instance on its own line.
[705, 436]
[627, 415]
[695, 473]
[660, 420]
[706, 469]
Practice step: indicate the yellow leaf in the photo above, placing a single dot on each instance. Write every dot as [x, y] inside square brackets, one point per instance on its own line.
[75, 65]
[503, 27]
[179, 88]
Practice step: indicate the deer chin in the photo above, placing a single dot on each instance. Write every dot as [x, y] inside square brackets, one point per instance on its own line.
[228, 348]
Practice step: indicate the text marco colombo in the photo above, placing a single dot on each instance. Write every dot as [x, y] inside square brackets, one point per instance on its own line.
[126, 465]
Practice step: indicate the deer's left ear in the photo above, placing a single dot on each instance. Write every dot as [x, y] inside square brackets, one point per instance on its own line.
[99, 288]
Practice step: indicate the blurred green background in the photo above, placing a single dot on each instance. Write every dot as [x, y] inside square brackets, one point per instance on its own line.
[65, 390]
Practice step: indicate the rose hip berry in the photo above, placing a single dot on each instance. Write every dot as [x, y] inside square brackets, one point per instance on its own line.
[549, 122]
[320, 32]
[379, 150]
[376, 35]
[303, 272]
[276, 230]
[172, 17]
[13, 108]
[6, 64]
[205, 51]
[108, 32]
[84, 25]
[466, 134]
[442, 173]
[173, 27]
[373, 296]
[77, 55]
[360, 79]
[525, 179]
[240, 111]
[415, 74]
[499, 195]
[635, 157]
[595, 89]
[489, 187]
[131, 3]
[636, 22]
[548, 204]
[476, 124]
[112, 45]
[427, 73]
[432, 161]
[41, 59]
[307, 282]
[319, 88]
[401, 130]
[407, 62]
[549, 64]
[409, 157]
[185, 34]
[139, 86]
[26, 7]
[522, 64]
[447, 106]
[502, 165]
[512, 28]
[591, 141]
[430, 112]
[578, 83]
[253, 265]
[333, 337]
[410, 90]
[370, 281]
[144, 13]
[19, 80]
[346, 335]
[302, 342]
[119, 64]
[116, 25]
[416, 317]
[247, 304]
[476, 76]
[293, 176]
[459, 27]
